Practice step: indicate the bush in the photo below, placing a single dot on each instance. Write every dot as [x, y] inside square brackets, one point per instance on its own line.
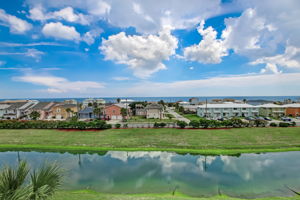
[181, 124]
[194, 123]
[273, 124]
[204, 123]
[39, 124]
[156, 125]
[118, 126]
[284, 124]
[125, 125]
[260, 123]
[162, 124]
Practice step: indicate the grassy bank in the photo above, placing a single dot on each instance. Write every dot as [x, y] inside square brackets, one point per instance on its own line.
[229, 141]
[90, 195]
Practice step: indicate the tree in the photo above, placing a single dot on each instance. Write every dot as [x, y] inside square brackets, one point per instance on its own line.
[69, 110]
[34, 115]
[123, 112]
[97, 112]
[118, 100]
[43, 183]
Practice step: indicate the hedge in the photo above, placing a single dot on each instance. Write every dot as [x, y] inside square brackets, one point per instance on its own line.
[39, 124]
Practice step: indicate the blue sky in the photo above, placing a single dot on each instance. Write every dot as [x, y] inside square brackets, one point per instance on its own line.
[109, 48]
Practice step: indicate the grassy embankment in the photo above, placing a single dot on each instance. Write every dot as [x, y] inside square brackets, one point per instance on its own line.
[226, 141]
[90, 195]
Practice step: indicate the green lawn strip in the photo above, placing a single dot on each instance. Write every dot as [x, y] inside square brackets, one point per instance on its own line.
[191, 116]
[139, 119]
[214, 142]
[92, 195]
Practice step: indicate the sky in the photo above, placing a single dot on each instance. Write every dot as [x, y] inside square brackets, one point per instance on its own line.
[140, 48]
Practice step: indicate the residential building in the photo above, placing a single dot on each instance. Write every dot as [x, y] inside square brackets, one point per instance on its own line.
[113, 112]
[190, 108]
[3, 108]
[271, 110]
[154, 111]
[140, 110]
[194, 101]
[91, 102]
[227, 110]
[70, 101]
[292, 110]
[60, 111]
[43, 108]
[86, 114]
[17, 109]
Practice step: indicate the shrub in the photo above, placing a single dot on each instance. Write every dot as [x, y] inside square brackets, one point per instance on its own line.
[162, 124]
[118, 126]
[260, 123]
[181, 124]
[156, 125]
[284, 124]
[204, 123]
[194, 124]
[125, 125]
[273, 124]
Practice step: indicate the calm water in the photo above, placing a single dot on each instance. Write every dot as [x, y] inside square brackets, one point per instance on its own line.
[249, 175]
[174, 99]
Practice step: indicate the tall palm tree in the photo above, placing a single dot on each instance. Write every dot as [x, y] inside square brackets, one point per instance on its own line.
[43, 182]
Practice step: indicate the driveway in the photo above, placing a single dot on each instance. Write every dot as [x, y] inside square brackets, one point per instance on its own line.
[177, 116]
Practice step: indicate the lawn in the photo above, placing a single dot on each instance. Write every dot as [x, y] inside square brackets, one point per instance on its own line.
[90, 195]
[191, 116]
[143, 119]
[222, 141]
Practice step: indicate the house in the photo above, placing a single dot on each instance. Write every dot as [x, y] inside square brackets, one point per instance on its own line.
[194, 101]
[86, 113]
[91, 102]
[60, 111]
[227, 110]
[190, 108]
[43, 108]
[17, 109]
[140, 110]
[292, 110]
[271, 110]
[70, 101]
[113, 111]
[3, 108]
[154, 111]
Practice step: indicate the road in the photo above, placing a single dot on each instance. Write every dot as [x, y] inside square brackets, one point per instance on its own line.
[177, 116]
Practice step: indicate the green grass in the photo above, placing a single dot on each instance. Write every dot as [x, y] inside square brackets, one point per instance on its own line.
[191, 116]
[91, 195]
[143, 119]
[228, 141]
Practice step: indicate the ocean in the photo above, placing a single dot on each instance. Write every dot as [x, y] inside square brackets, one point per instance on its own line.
[175, 99]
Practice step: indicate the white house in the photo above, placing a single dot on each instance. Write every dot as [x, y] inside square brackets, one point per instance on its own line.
[154, 111]
[227, 110]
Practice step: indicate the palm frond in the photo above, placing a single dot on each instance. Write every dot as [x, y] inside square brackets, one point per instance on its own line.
[45, 181]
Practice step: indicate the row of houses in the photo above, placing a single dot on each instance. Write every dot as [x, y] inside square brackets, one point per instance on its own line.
[21, 109]
[246, 110]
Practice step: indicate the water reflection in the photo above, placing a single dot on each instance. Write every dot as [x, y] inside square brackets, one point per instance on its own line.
[248, 175]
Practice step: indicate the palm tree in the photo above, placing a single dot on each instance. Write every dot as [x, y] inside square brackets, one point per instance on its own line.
[97, 111]
[43, 183]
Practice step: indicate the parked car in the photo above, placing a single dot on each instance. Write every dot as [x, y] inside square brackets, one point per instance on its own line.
[286, 119]
[260, 118]
[250, 118]
[268, 119]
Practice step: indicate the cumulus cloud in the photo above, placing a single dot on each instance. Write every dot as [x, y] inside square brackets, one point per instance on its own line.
[60, 31]
[209, 50]
[56, 84]
[143, 54]
[121, 78]
[144, 15]
[16, 25]
[67, 14]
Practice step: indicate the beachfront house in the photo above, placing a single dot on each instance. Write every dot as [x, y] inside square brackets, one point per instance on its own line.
[292, 110]
[43, 108]
[227, 110]
[63, 111]
[17, 109]
[154, 111]
[113, 111]
[87, 113]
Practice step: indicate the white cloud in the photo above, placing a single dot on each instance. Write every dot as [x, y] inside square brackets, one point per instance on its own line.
[60, 31]
[272, 68]
[9, 44]
[16, 25]
[289, 59]
[209, 50]
[242, 85]
[89, 37]
[143, 54]
[144, 15]
[121, 78]
[59, 84]
[39, 13]
[34, 53]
